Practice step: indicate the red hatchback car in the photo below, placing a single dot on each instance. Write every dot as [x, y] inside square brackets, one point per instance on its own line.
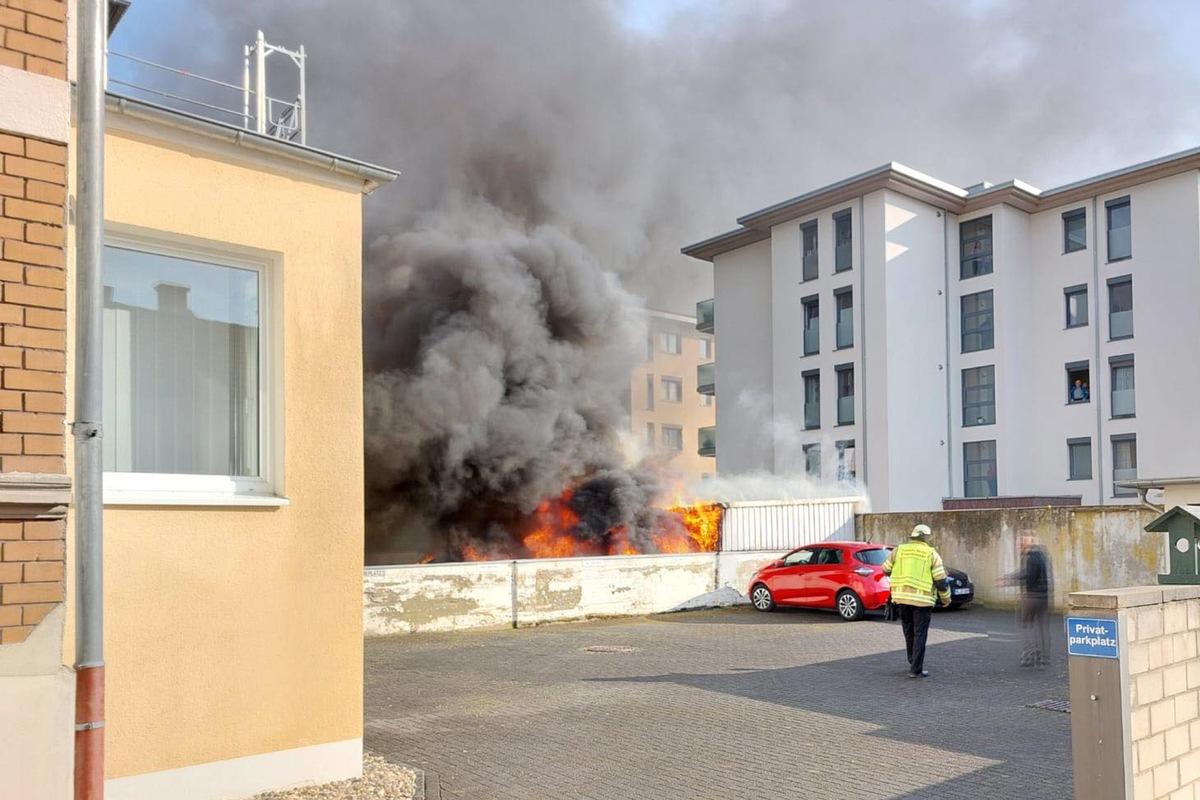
[843, 576]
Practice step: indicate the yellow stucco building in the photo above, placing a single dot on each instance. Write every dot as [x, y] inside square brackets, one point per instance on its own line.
[232, 443]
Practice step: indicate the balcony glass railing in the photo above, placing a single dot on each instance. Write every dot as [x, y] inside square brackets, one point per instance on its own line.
[1124, 475]
[706, 378]
[809, 267]
[705, 316]
[846, 410]
[708, 441]
[1122, 403]
[1119, 244]
[845, 333]
[841, 257]
[812, 340]
[1120, 324]
[812, 415]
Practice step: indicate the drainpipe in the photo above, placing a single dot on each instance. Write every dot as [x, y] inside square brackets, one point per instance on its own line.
[1094, 302]
[89, 245]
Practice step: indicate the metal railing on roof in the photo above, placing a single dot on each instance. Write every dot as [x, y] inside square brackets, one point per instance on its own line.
[270, 116]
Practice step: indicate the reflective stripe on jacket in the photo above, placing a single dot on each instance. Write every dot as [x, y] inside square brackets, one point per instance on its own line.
[914, 568]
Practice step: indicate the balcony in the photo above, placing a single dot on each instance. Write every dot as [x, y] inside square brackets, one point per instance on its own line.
[1123, 403]
[708, 442]
[846, 410]
[812, 415]
[1120, 324]
[706, 378]
[812, 340]
[705, 316]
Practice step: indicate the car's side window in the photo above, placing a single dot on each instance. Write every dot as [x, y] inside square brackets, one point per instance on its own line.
[799, 558]
[830, 555]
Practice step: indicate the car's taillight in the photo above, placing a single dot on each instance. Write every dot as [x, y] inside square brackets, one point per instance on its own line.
[864, 571]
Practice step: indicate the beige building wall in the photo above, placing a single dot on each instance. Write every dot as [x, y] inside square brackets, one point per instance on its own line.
[233, 632]
[36, 690]
[655, 415]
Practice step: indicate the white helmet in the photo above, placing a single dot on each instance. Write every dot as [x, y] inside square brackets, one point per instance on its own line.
[920, 531]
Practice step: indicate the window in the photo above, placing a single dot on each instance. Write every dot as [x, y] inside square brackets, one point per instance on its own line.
[846, 468]
[812, 399]
[845, 394]
[800, 558]
[977, 333]
[706, 399]
[1079, 457]
[650, 347]
[672, 437]
[672, 390]
[1078, 378]
[706, 348]
[975, 241]
[842, 236]
[1120, 244]
[843, 302]
[979, 469]
[829, 555]
[1122, 386]
[1120, 307]
[188, 372]
[875, 556]
[1124, 450]
[1074, 230]
[979, 396]
[671, 343]
[812, 461]
[1077, 306]
[812, 324]
[650, 435]
[649, 391]
[808, 249]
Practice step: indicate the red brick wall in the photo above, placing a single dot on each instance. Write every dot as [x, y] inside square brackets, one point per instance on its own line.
[33, 321]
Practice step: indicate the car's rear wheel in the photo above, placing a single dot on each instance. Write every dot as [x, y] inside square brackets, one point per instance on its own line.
[761, 597]
[849, 606]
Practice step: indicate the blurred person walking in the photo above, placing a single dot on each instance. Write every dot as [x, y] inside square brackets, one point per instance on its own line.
[918, 580]
[1036, 582]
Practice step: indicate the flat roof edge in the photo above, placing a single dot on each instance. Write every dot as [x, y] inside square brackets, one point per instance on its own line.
[372, 176]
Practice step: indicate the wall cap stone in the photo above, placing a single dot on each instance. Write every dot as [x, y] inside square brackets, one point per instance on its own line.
[1181, 592]
[1125, 597]
[27, 495]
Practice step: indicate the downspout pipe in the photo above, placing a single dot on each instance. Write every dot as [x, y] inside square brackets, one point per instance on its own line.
[89, 246]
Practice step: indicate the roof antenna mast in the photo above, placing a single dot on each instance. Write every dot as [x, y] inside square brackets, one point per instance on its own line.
[272, 117]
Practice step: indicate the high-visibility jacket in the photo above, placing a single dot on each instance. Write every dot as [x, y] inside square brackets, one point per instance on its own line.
[916, 572]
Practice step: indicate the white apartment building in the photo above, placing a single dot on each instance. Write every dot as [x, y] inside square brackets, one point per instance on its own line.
[925, 337]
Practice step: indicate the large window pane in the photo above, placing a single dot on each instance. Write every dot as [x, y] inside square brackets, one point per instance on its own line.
[842, 238]
[977, 332]
[181, 365]
[979, 396]
[1074, 231]
[979, 469]
[975, 239]
[808, 250]
[1124, 449]
[1119, 227]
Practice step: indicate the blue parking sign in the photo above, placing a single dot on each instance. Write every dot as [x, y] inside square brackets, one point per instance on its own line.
[1092, 637]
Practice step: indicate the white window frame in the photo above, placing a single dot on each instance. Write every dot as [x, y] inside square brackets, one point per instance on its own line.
[672, 344]
[267, 488]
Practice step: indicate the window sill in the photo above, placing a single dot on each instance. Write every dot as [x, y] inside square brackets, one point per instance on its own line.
[845, 346]
[1079, 479]
[1120, 338]
[849, 424]
[212, 499]
[1074, 327]
[1118, 260]
[1116, 417]
[1079, 402]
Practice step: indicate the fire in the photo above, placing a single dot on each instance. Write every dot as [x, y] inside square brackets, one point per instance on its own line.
[554, 530]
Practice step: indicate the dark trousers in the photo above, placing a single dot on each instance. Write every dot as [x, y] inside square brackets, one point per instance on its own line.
[1035, 629]
[914, 620]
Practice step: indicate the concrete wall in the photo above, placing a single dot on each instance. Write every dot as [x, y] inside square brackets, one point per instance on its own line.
[447, 597]
[742, 281]
[1090, 547]
[232, 631]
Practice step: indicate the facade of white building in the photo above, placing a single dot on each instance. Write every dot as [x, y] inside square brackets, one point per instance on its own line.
[926, 337]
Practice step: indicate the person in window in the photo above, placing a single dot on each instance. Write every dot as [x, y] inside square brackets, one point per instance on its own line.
[1079, 392]
[918, 580]
[1036, 583]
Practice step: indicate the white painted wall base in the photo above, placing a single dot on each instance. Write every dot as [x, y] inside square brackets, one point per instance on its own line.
[238, 778]
[448, 597]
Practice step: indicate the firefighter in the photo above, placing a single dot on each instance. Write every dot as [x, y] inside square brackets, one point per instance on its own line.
[918, 580]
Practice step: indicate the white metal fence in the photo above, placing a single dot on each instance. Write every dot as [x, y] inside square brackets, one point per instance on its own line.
[785, 524]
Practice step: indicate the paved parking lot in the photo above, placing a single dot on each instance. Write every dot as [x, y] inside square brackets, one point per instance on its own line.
[726, 703]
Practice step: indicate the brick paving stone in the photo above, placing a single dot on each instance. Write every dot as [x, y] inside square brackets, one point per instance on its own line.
[725, 703]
